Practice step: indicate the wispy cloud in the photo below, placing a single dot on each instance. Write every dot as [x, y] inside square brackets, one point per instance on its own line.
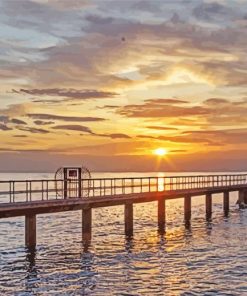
[34, 130]
[161, 108]
[68, 94]
[4, 127]
[78, 128]
[162, 128]
[44, 116]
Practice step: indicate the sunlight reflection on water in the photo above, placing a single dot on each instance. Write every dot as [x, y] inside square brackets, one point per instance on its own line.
[204, 258]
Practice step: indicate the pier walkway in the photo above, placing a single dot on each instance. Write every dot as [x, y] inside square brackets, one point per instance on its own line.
[32, 197]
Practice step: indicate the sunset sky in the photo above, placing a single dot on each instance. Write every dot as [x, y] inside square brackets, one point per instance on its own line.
[107, 82]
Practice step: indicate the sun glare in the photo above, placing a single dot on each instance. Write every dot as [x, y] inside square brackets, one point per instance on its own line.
[160, 151]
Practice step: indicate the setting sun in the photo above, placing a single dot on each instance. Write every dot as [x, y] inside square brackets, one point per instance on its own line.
[160, 151]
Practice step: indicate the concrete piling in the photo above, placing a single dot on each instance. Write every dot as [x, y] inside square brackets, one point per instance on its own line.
[86, 224]
[161, 214]
[187, 208]
[30, 230]
[128, 216]
[226, 204]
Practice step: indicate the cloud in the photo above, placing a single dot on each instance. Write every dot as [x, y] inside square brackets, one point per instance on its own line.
[109, 107]
[215, 101]
[114, 136]
[85, 129]
[224, 136]
[34, 130]
[162, 128]
[20, 136]
[5, 119]
[41, 122]
[4, 127]
[188, 139]
[18, 121]
[16, 109]
[119, 136]
[78, 128]
[211, 10]
[68, 94]
[44, 116]
[160, 108]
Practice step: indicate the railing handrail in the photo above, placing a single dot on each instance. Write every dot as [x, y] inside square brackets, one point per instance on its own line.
[67, 188]
[119, 178]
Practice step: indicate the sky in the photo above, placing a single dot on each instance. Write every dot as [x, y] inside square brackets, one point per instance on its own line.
[105, 83]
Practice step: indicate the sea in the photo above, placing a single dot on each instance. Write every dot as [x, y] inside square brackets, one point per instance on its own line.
[202, 258]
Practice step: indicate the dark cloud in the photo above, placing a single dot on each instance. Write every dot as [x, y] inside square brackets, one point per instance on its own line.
[208, 11]
[78, 128]
[160, 108]
[178, 151]
[41, 122]
[34, 130]
[47, 101]
[20, 136]
[44, 116]
[70, 94]
[108, 107]
[119, 136]
[17, 121]
[188, 139]
[147, 6]
[163, 128]
[85, 129]
[225, 136]
[167, 101]
[4, 127]
[4, 118]
[99, 20]
[114, 136]
[216, 101]
[211, 112]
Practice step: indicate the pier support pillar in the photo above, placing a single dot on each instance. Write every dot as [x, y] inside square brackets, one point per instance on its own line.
[245, 197]
[30, 230]
[86, 224]
[208, 206]
[226, 203]
[161, 214]
[128, 216]
[241, 195]
[187, 208]
[242, 198]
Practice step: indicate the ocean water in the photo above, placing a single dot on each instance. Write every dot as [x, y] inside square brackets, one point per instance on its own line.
[203, 258]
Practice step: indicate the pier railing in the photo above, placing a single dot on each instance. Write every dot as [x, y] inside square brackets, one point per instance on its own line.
[42, 190]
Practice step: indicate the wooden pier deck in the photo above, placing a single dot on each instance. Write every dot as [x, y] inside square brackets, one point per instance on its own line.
[32, 197]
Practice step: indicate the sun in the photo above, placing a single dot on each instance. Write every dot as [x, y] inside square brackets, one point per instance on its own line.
[160, 151]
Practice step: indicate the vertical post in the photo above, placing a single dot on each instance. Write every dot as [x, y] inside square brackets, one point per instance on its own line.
[187, 208]
[128, 216]
[86, 224]
[226, 203]
[30, 230]
[241, 198]
[161, 214]
[79, 194]
[245, 197]
[208, 205]
[65, 184]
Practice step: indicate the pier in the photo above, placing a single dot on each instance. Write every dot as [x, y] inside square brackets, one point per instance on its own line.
[32, 197]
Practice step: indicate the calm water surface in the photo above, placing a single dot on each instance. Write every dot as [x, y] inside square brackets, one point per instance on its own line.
[205, 258]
